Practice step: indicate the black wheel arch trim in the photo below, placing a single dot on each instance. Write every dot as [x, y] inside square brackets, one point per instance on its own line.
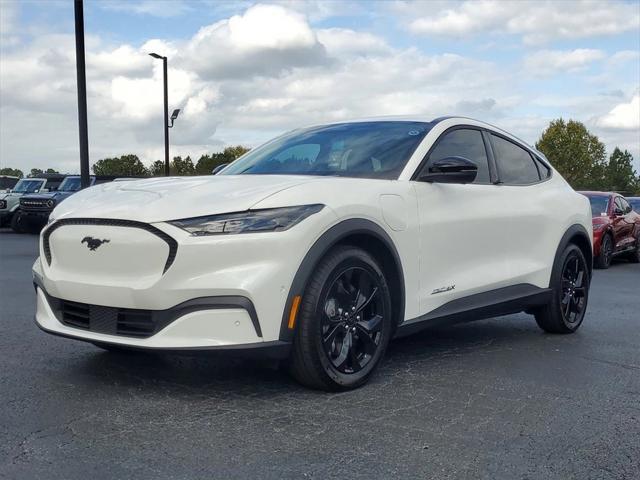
[571, 233]
[327, 240]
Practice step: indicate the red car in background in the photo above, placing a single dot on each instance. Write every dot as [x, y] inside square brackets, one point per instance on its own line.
[616, 228]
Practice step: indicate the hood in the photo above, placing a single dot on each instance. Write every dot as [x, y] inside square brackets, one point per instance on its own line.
[41, 196]
[172, 198]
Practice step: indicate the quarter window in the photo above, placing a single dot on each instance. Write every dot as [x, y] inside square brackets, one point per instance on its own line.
[465, 143]
[515, 164]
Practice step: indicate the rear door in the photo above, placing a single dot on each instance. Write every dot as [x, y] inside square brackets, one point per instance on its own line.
[530, 239]
[462, 227]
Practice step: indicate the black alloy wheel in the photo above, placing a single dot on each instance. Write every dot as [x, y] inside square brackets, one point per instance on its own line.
[352, 319]
[344, 323]
[606, 253]
[569, 285]
[573, 292]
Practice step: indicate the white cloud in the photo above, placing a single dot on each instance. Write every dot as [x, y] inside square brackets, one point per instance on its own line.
[262, 41]
[346, 42]
[536, 21]
[624, 116]
[549, 62]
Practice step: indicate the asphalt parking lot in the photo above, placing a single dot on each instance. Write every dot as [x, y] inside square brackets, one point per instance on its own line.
[492, 399]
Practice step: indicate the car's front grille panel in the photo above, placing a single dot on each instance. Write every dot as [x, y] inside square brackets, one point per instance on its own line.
[170, 241]
[108, 320]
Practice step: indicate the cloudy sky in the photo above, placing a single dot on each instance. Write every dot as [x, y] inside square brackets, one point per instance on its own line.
[243, 72]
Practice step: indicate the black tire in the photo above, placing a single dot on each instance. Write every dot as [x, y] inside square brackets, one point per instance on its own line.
[603, 261]
[336, 347]
[570, 281]
[634, 257]
[17, 223]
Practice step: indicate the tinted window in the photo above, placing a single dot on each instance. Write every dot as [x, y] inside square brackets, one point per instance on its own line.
[514, 163]
[465, 143]
[599, 205]
[626, 208]
[545, 172]
[361, 149]
[70, 184]
[28, 186]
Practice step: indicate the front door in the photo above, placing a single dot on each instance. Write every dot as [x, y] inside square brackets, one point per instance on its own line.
[462, 227]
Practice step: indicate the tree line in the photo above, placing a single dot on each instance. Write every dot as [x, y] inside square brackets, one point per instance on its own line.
[574, 151]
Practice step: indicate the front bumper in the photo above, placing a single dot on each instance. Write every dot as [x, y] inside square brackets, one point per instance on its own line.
[216, 323]
[35, 217]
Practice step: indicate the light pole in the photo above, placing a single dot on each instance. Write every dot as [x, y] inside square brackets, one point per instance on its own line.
[82, 94]
[166, 112]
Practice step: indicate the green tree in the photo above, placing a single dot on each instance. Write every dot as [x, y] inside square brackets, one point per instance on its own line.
[178, 167]
[206, 163]
[182, 167]
[35, 171]
[12, 172]
[620, 175]
[575, 152]
[125, 165]
[157, 168]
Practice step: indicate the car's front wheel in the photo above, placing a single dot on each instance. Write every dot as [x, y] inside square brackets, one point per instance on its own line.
[17, 222]
[570, 280]
[603, 261]
[345, 322]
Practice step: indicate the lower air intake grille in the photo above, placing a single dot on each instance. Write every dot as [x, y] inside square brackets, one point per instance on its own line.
[109, 320]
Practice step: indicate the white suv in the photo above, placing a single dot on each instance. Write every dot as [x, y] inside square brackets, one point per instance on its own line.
[320, 246]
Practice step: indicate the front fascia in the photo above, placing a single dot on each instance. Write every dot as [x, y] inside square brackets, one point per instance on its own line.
[204, 266]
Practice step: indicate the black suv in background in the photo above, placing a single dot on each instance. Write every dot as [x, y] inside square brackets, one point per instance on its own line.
[35, 208]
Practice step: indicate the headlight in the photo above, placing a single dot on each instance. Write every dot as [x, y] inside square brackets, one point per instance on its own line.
[51, 203]
[267, 220]
[3, 204]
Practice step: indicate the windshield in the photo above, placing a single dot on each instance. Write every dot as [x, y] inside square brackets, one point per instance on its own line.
[364, 149]
[599, 206]
[28, 186]
[70, 184]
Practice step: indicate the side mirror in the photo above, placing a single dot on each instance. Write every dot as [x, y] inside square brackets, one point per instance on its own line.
[451, 170]
[218, 168]
[45, 189]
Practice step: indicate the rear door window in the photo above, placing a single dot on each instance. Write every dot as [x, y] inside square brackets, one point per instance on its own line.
[515, 164]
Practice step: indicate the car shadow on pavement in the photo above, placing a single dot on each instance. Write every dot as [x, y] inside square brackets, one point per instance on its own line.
[208, 373]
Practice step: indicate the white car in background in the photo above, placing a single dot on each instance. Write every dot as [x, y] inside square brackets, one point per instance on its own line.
[320, 246]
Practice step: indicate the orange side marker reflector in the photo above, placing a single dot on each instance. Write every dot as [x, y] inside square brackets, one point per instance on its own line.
[294, 311]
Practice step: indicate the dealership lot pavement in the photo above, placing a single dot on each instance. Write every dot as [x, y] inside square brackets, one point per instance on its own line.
[492, 399]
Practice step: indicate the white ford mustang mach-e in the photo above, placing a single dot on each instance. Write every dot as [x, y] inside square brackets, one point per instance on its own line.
[320, 246]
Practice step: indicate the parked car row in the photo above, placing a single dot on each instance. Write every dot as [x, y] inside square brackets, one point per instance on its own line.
[616, 227]
[26, 207]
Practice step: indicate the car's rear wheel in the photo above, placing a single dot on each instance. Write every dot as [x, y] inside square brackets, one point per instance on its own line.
[570, 282]
[344, 324]
[603, 261]
[634, 257]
